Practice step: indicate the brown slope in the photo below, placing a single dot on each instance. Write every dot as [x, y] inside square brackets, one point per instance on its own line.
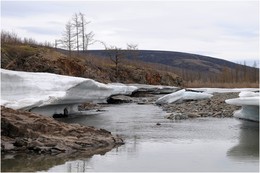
[23, 57]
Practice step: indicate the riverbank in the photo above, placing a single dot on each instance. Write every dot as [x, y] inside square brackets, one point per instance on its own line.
[149, 147]
[32, 133]
[27, 132]
[213, 107]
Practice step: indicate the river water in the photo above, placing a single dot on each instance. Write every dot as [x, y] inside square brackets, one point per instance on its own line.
[201, 144]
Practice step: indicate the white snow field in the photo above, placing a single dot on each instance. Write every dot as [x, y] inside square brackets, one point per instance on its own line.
[182, 95]
[53, 94]
[250, 105]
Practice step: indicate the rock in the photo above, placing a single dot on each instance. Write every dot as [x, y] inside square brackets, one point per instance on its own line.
[177, 116]
[7, 146]
[205, 114]
[39, 134]
[158, 124]
[193, 115]
[119, 99]
[19, 142]
[88, 106]
[35, 143]
[217, 114]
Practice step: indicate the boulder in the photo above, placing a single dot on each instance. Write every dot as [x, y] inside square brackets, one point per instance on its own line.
[119, 99]
[193, 115]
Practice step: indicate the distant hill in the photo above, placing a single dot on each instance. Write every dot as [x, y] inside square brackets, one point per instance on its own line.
[179, 60]
[195, 70]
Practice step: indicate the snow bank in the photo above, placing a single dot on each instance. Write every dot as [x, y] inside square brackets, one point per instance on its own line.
[38, 91]
[182, 95]
[223, 90]
[250, 105]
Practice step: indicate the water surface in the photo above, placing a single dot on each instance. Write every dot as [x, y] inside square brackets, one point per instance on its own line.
[202, 144]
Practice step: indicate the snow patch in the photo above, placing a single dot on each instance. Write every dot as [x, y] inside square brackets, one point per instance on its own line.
[182, 95]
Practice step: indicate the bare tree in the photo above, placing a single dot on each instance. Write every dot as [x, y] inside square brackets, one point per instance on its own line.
[89, 40]
[83, 23]
[67, 39]
[132, 50]
[10, 37]
[76, 25]
[57, 43]
[116, 55]
[132, 46]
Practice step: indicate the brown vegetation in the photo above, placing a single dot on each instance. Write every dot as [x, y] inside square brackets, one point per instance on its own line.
[24, 57]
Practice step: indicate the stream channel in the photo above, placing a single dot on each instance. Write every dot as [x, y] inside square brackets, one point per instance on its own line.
[194, 145]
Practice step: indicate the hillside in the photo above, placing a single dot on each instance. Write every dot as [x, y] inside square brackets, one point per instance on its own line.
[33, 58]
[179, 60]
[194, 68]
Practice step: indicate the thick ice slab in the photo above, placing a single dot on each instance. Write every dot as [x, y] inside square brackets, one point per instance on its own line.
[250, 105]
[246, 98]
[182, 95]
[37, 91]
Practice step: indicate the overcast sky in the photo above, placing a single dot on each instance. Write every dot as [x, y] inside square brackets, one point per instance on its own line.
[223, 29]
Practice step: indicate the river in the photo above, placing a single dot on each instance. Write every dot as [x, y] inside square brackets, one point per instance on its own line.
[194, 145]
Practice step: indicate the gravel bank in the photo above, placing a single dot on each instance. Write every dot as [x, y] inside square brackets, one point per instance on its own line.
[213, 107]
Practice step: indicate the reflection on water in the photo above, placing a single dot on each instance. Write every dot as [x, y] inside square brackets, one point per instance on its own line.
[28, 163]
[248, 145]
[202, 144]
[37, 162]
